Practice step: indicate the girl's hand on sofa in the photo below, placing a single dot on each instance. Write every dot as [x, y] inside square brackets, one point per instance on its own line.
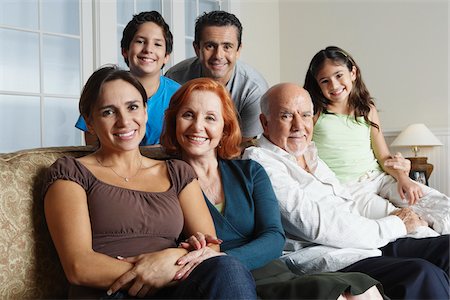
[193, 259]
[151, 272]
[199, 240]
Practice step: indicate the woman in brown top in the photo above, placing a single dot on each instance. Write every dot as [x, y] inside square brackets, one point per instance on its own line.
[116, 203]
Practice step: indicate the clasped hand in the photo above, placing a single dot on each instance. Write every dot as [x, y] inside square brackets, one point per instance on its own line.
[409, 218]
[151, 271]
[198, 245]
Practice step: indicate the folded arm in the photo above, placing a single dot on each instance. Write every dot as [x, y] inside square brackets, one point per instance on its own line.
[196, 219]
[67, 216]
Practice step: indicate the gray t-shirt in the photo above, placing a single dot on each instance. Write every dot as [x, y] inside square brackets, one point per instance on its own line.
[246, 87]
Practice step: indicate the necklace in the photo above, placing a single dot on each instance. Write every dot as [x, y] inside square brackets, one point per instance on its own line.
[124, 178]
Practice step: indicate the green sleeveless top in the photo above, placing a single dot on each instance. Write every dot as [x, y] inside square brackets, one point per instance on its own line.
[344, 145]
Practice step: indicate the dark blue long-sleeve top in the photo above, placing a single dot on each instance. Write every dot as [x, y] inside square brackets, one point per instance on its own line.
[250, 226]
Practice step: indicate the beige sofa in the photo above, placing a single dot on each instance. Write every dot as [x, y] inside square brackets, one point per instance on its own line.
[29, 264]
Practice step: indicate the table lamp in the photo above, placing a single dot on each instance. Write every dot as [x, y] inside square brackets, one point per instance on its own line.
[416, 136]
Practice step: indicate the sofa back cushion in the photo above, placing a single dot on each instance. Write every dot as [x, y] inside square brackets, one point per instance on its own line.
[29, 264]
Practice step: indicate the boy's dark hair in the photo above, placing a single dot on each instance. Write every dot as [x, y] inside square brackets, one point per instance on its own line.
[359, 99]
[141, 18]
[217, 18]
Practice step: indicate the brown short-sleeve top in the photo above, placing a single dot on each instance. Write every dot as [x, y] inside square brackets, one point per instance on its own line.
[128, 222]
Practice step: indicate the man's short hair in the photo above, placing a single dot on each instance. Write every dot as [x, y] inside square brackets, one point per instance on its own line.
[217, 18]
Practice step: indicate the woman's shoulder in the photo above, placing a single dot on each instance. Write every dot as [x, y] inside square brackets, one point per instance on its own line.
[67, 168]
[178, 163]
[246, 165]
[180, 169]
[65, 163]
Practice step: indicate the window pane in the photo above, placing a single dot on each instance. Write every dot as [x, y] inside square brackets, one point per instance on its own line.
[59, 119]
[61, 16]
[125, 11]
[61, 65]
[19, 61]
[190, 16]
[22, 14]
[205, 5]
[23, 134]
[148, 5]
[120, 60]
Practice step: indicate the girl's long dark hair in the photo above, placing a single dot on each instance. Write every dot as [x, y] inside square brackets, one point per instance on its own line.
[359, 99]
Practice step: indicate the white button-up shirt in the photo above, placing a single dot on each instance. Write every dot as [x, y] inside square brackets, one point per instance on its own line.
[325, 232]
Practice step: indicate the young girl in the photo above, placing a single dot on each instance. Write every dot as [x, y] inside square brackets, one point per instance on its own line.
[349, 139]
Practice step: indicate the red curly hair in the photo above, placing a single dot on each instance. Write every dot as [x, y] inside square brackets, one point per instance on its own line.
[230, 143]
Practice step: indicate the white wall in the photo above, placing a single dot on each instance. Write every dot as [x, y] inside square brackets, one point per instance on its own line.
[400, 46]
[260, 37]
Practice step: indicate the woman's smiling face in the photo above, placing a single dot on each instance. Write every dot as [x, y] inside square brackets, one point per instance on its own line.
[120, 116]
[199, 124]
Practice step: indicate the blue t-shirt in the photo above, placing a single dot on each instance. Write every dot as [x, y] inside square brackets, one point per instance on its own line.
[156, 106]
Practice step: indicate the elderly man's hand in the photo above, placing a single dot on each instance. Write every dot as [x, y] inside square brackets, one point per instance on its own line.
[409, 218]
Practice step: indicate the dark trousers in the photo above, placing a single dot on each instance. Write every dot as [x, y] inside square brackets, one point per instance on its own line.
[276, 281]
[410, 268]
[219, 277]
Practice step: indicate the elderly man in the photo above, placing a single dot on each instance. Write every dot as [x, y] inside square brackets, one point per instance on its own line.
[217, 44]
[325, 230]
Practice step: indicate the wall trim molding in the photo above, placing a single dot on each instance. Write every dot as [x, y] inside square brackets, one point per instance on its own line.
[436, 131]
[438, 156]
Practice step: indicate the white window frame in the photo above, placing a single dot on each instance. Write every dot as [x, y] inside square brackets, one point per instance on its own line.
[98, 35]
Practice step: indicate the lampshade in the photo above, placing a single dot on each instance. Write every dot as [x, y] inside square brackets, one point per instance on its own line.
[416, 135]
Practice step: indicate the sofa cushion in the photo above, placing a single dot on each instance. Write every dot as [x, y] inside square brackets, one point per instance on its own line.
[29, 264]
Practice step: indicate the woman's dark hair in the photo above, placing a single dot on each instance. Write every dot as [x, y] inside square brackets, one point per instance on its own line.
[93, 87]
[359, 99]
[138, 20]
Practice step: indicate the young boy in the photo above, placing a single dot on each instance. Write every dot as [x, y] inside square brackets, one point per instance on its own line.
[146, 46]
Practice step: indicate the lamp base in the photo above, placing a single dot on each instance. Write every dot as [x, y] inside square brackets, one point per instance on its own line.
[420, 164]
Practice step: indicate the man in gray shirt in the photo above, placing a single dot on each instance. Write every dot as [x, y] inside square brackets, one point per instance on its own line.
[217, 44]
